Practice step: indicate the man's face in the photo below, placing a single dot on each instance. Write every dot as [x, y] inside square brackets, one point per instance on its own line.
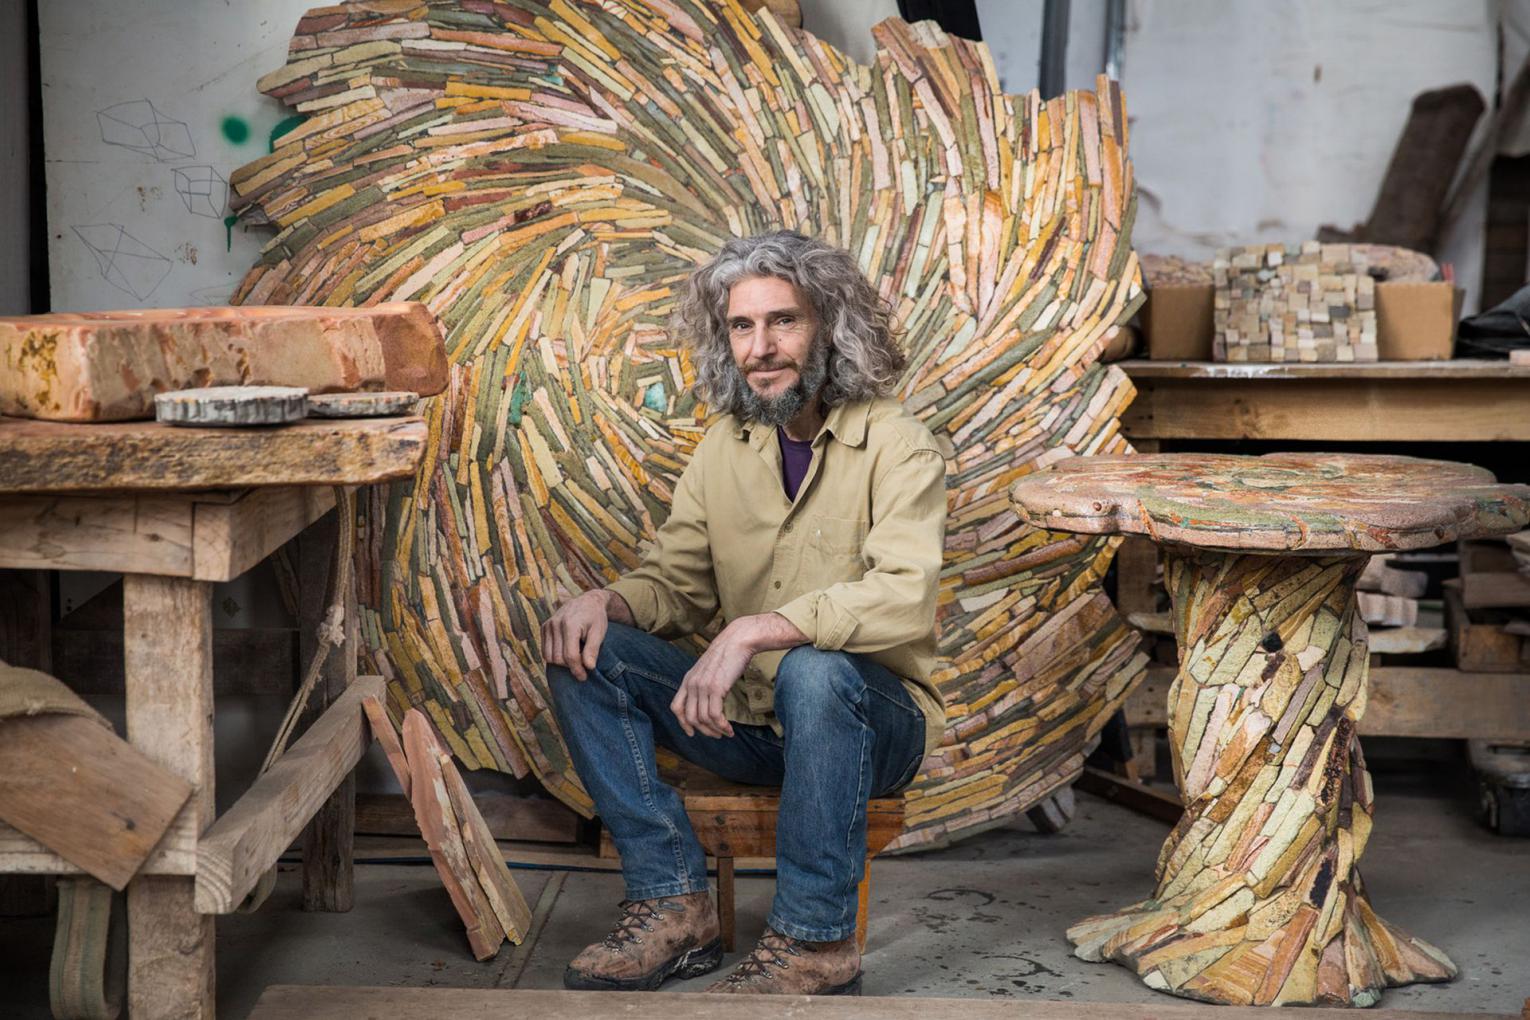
[772, 330]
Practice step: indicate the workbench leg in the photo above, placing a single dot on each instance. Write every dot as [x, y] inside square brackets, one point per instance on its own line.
[330, 838]
[167, 627]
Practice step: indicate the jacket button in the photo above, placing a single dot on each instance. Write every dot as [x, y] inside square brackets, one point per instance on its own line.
[778, 584]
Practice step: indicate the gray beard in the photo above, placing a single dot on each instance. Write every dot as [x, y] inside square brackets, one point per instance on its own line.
[777, 411]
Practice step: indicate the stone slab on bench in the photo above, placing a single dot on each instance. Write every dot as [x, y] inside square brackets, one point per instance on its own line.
[108, 366]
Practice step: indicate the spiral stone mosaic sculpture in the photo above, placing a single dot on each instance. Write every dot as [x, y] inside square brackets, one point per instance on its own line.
[543, 177]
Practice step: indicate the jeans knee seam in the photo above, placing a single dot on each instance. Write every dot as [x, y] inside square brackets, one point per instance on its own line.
[646, 785]
[860, 798]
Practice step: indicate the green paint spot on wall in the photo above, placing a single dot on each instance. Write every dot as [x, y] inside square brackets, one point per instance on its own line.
[228, 229]
[282, 127]
[653, 398]
[236, 130]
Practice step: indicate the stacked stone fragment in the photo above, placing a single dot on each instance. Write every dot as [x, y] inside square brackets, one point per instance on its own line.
[1308, 302]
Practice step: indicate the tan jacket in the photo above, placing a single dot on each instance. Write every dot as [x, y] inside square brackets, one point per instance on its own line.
[854, 562]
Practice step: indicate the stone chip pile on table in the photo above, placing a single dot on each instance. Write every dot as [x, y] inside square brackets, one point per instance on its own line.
[1307, 302]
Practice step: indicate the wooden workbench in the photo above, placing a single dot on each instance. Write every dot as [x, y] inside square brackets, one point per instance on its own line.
[174, 510]
[1384, 401]
[1404, 402]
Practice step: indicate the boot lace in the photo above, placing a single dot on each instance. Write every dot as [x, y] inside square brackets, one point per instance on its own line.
[771, 951]
[637, 916]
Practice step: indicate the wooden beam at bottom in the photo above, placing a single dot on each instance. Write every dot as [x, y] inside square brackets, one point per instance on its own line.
[240, 846]
[1131, 794]
[298, 1002]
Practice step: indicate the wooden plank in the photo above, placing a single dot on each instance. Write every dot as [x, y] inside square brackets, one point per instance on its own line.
[395, 823]
[1486, 647]
[483, 853]
[1457, 368]
[146, 534]
[529, 855]
[308, 1002]
[230, 538]
[85, 793]
[251, 835]
[1129, 793]
[1331, 409]
[1408, 206]
[532, 819]
[1433, 702]
[175, 854]
[168, 624]
[42, 456]
[328, 877]
[1500, 589]
[439, 826]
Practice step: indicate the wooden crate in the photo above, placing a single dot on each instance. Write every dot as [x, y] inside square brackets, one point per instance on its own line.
[1480, 643]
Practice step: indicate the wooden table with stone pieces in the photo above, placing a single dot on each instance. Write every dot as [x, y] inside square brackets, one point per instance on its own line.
[174, 510]
[1259, 900]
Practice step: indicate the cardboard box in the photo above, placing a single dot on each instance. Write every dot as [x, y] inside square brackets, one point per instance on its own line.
[1414, 321]
[1176, 321]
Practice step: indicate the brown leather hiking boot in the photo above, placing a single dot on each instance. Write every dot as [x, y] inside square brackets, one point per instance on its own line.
[676, 936]
[782, 965]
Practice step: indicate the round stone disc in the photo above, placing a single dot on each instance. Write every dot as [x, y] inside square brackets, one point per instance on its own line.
[361, 405]
[232, 405]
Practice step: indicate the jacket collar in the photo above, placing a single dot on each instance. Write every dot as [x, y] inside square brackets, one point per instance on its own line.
[846, 423]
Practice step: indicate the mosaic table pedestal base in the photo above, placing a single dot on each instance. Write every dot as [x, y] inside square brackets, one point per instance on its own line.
[1259, 897]
[1259, 900]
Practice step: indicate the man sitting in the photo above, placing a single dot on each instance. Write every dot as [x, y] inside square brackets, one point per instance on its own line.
[812, 515]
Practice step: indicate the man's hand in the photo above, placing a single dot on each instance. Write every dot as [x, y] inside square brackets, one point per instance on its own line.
[699, 703]
[571, 637]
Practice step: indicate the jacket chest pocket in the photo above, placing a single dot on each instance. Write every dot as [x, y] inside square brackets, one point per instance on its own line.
[834, 550]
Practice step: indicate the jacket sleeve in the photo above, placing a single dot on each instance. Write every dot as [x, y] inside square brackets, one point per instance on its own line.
[904, 548]
[673, 592]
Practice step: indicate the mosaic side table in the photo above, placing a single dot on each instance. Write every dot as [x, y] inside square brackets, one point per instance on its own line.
[1259, 900]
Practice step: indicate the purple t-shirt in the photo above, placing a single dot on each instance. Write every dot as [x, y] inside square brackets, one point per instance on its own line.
[795, 458]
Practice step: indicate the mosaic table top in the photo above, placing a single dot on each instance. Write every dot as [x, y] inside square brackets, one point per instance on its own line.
[1307, 502]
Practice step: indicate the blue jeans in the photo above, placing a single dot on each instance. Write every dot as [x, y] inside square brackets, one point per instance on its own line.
[851, 732]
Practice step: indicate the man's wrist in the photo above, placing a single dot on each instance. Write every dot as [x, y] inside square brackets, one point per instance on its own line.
[767, 632]
[617, 607]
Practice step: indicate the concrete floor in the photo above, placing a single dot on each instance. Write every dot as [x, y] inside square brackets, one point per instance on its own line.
[984, 918]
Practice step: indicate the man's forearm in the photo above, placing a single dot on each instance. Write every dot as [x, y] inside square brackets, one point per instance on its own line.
[769, 632]
[617, 609]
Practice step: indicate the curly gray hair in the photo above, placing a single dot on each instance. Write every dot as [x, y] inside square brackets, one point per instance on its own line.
[864, 359]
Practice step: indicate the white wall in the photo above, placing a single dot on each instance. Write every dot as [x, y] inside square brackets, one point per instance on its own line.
[1255, 121]
[1012, 30]
[108, 189]
[846, 24]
